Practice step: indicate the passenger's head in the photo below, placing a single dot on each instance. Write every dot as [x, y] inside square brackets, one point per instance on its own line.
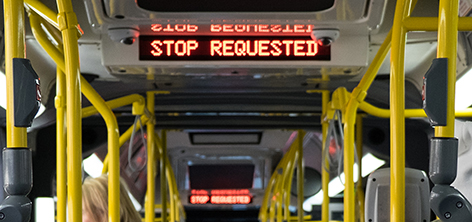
[95, 201]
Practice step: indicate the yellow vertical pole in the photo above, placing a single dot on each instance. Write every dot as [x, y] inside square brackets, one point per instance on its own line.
[169, 175]
[172, 200]
[14, 48]
[397, 113]
[324, 173]
[163, 160]
[300, 176]
[360, 188]
[447, 48]
[349, 193]
[150, 194]
[67, 24]
[61, 146]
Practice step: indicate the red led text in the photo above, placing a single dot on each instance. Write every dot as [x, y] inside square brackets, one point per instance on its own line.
[232, 28]
[220, 199]
[263, 48]
[172, 47]
[230, 192]
[195, 47]
[199, 199]
[231, 199]
[174, 28]
[260, 28]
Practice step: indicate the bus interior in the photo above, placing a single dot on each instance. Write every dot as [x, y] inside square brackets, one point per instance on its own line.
[321, 110]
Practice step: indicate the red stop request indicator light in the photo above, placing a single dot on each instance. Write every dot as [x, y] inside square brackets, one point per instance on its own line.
[231, 48]
[220, 197]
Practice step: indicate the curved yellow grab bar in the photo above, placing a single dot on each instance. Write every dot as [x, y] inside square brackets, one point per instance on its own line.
[43, 11]
[94, 98]
[137, 100]
[274, 203]
[113, 148]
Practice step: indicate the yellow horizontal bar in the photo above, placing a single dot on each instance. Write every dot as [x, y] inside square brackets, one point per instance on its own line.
[409, 113]
[431, 24]
[385, 113]
[464, 113]
[115, 103]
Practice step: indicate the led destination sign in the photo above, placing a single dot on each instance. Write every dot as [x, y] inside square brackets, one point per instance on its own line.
[220, 197]
[179, 48]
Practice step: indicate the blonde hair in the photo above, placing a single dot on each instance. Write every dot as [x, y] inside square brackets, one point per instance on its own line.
[95, 200]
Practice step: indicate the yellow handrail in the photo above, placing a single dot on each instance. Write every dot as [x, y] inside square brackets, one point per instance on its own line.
[447, 30]
[176, 208]
[300, 176]
[61, 164]
[431, 24]
[267, 194]
[61, 108]
[277, 194]
[397, 109]
[283, 199]
[43, 11]
[113, 149]
[97, 101]
[67, 21]
[270, 189]
[163, 161]
[447, 48]
[137, 100]
[325, 167]
[40, 36]
[15, 40]
[360, 187]
[151, 168]
[358, 95]
[360, 91]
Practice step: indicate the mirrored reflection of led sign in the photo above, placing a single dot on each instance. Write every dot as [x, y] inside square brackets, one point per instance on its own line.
[235, 6]
[209, 48]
